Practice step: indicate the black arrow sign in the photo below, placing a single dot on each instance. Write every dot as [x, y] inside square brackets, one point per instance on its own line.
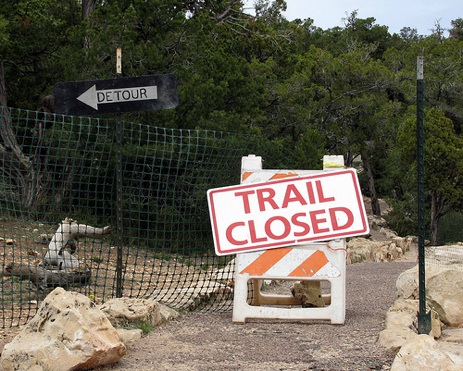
[146, 93]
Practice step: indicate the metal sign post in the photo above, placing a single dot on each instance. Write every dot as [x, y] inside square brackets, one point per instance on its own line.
[119, 216]
[84, 98]
[424, 319]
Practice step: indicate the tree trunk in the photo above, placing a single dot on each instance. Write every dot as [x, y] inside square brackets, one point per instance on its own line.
[44, 278]
[88, 6]
[436, 213]
[2, 87]
[15, 165]
[28, 174]
[375, 207]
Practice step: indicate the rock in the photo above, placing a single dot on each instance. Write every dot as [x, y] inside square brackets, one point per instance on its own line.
[405, 243]
[362, 249]
[167, 313]
[127, 336]
[132, 312]
[377, 222]
[358, 251]
[309, 293]
[445, 295]
[394, 251]
[423, 353]
[68, 333]
[436, 325]
[444, 291]
[387, 233]
[407, 283]
[451, 342]
[401, 324]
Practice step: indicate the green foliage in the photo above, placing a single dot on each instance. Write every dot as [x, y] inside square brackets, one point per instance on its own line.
[443, 158]
[402, 217]
[450, 230]
[443, 162]
[346, 90]
[36, 30]
[4, 36]
[145, 326]
[457, 29]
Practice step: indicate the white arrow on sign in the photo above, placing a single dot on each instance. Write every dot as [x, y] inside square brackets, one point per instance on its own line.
[93, 97]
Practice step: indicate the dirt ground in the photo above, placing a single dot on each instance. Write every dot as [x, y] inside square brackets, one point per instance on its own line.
[211, 341]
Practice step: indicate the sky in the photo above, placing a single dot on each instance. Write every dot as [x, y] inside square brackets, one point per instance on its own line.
[396, 14]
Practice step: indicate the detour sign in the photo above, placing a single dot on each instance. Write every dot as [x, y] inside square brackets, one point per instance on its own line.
[286, 212]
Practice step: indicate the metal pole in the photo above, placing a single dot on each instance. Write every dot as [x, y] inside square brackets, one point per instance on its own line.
[424, 319]
[119, 136]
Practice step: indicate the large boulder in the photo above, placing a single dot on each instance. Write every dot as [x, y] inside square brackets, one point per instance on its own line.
[445, 295]
[68, 333]
[423, 353]
[451, 342]
[407, 283]
[132, 312]
[401, 324]
[444, 291]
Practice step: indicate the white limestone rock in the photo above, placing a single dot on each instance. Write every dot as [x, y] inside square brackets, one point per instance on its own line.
[407, 283]
[68, 333]
[132, 312]
[423, 353]
[444, 291]
[445, 295]
[399, 326]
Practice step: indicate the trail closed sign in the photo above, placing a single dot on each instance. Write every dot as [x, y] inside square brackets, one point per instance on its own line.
[285, 212]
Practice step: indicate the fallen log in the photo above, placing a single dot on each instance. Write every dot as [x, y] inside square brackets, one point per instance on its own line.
[44, 278]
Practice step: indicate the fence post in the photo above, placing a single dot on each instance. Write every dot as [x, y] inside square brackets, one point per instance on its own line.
[424, 319]
[119, 136]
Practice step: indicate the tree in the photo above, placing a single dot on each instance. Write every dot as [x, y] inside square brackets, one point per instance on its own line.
[456, 32]
[443, 162]
[37, 30]
[352, 108]
[409, 34]
[34, 32]
[367, 33]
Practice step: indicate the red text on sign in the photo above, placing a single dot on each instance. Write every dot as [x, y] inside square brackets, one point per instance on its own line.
[266, 197]
[298, 225]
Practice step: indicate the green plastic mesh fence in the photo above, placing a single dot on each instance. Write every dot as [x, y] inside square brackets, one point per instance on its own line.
[58, 205]
[446, 257]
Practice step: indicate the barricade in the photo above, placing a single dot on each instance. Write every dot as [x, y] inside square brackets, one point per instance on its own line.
[319, 261]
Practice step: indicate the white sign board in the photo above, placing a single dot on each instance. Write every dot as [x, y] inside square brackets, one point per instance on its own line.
[285, 212]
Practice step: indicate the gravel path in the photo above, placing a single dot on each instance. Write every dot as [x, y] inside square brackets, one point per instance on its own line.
[210, 341]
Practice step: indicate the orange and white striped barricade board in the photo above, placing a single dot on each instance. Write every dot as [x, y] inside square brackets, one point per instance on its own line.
[317, 261]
